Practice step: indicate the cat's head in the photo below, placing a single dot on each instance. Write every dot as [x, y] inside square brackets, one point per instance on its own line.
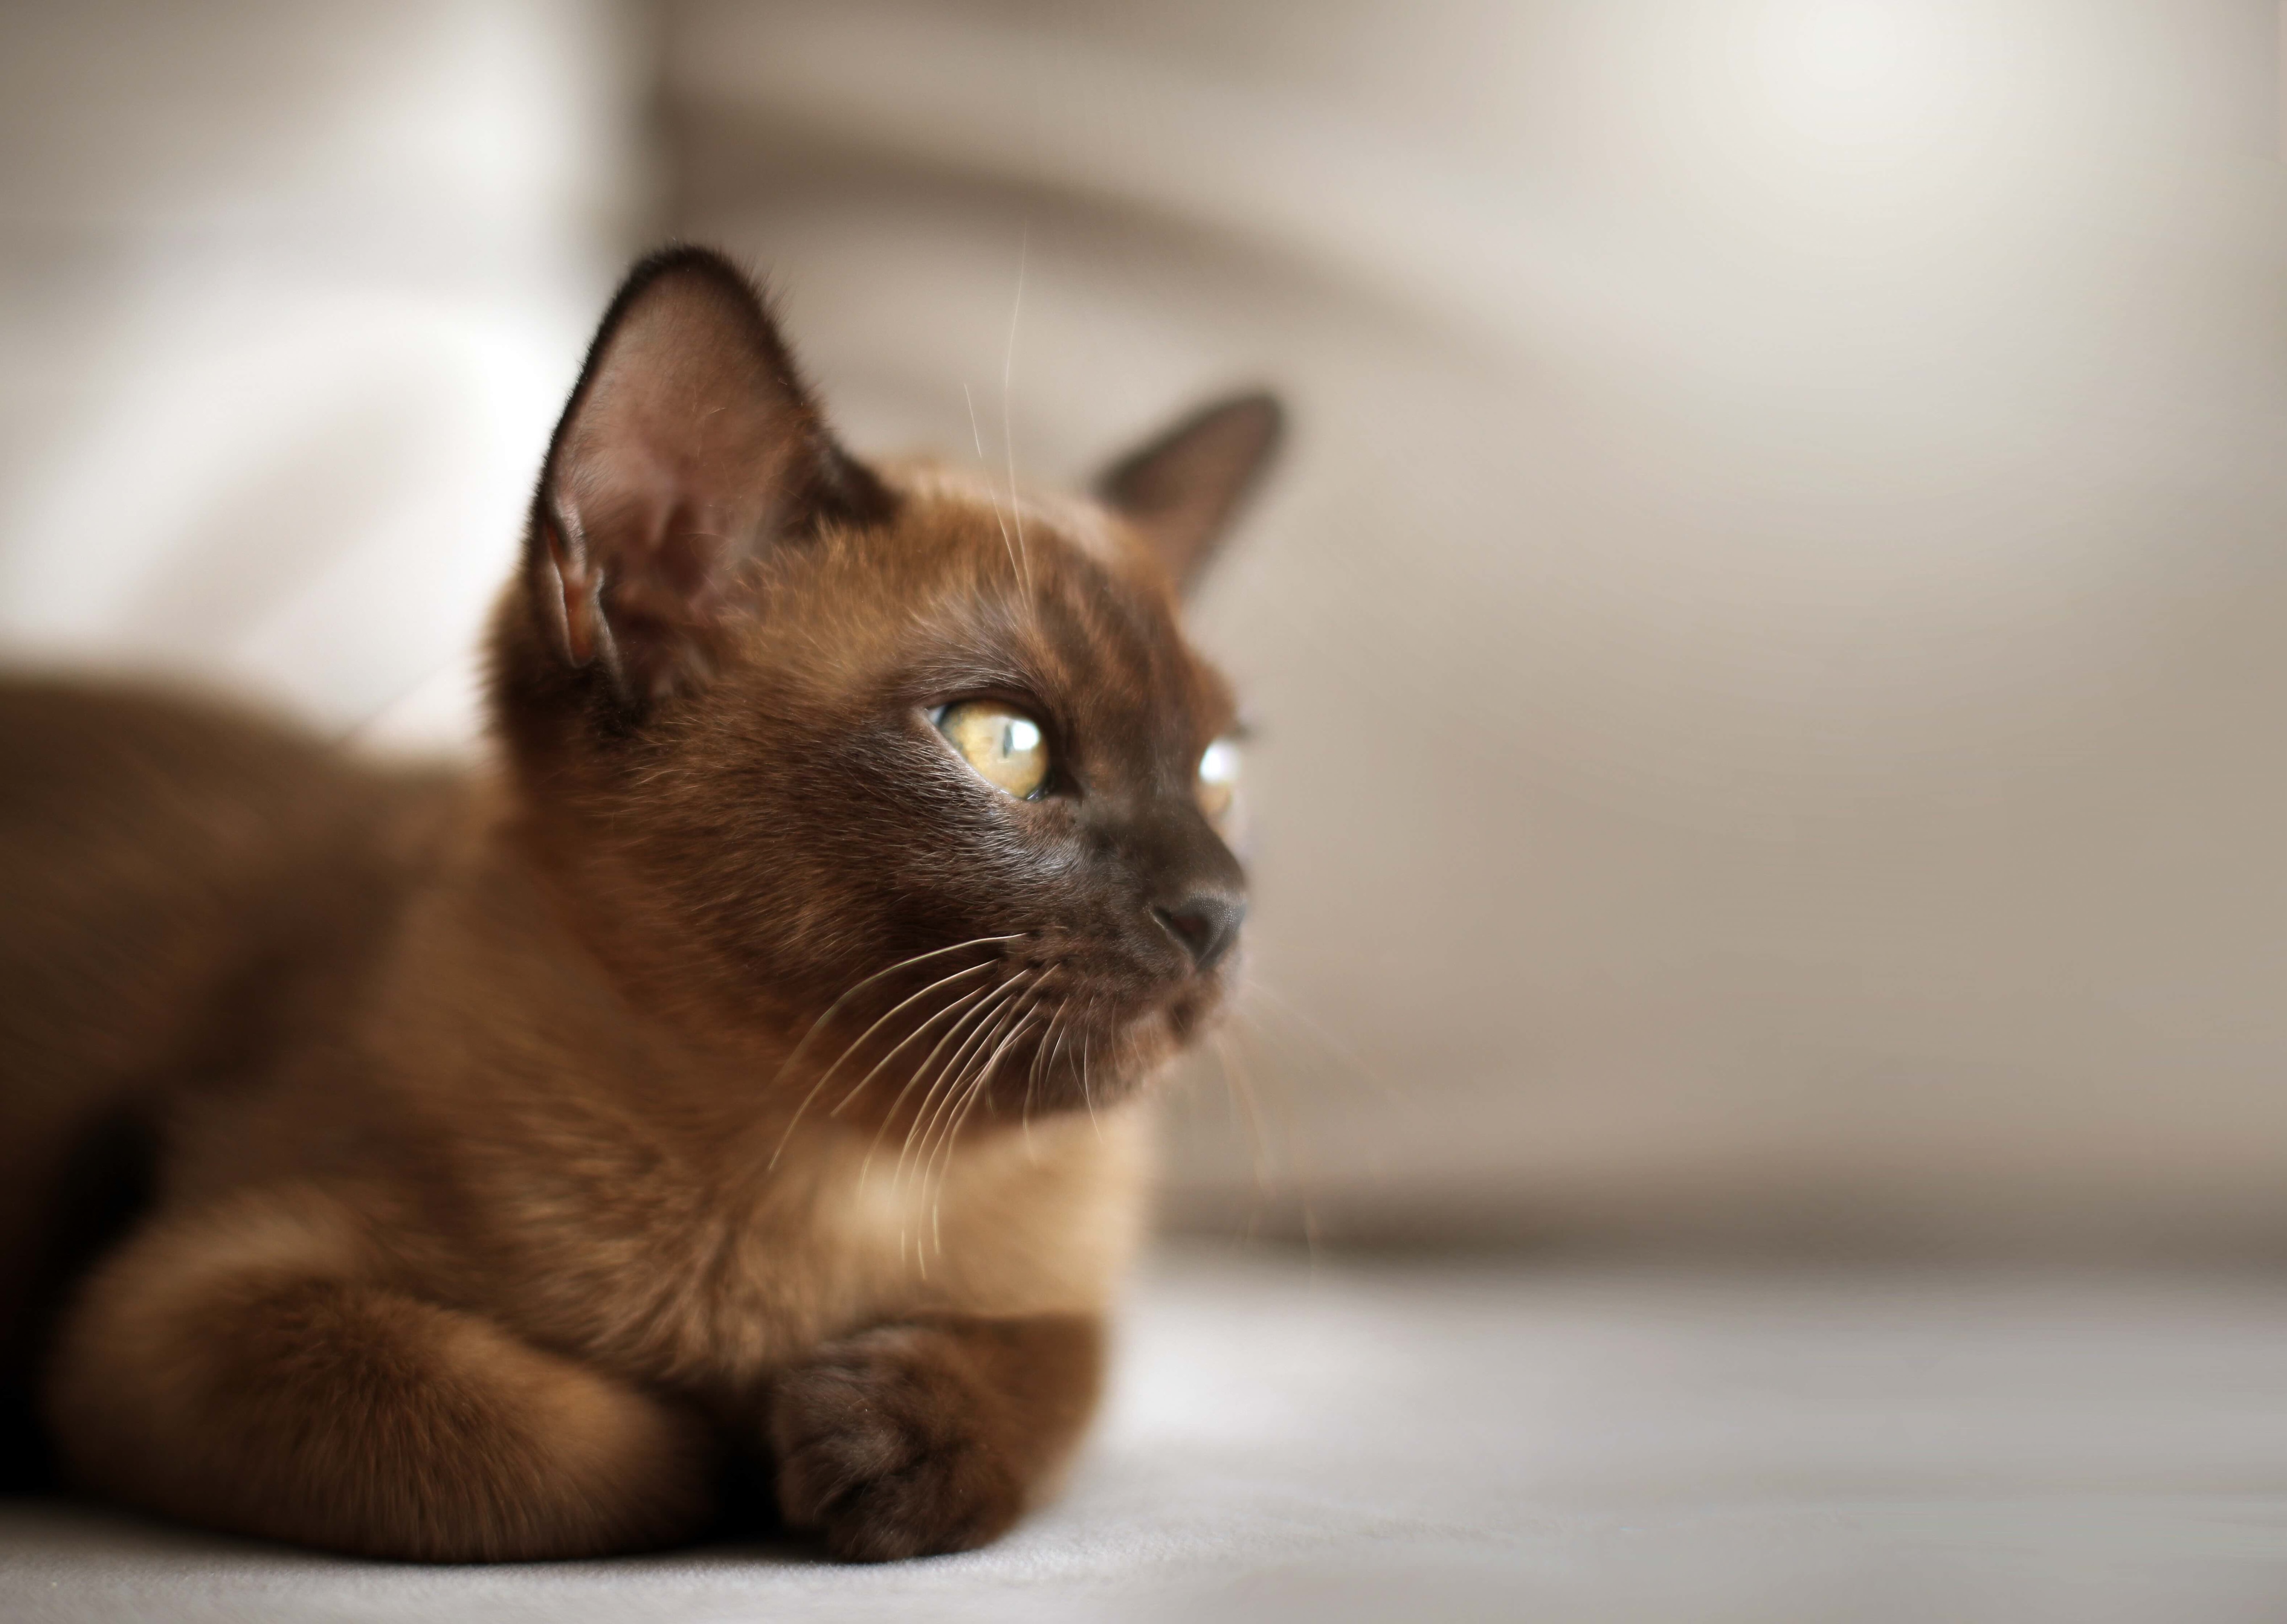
[893, 762]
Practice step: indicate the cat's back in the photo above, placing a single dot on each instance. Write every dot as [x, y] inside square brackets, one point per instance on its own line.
[155, 850]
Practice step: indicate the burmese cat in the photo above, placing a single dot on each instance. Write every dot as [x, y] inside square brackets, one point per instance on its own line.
[746, 1071]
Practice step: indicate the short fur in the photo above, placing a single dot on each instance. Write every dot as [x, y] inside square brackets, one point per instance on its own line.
[731, 1082]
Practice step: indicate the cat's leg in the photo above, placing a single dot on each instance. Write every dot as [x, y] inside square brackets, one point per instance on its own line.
[249, 1368]
[931, 1435]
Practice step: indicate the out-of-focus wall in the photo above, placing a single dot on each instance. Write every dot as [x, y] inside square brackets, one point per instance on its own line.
[1769, 651]
[290, 295]
[1766, 654]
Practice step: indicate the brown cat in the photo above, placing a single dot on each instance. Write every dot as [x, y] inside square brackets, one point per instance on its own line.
[747, 1071]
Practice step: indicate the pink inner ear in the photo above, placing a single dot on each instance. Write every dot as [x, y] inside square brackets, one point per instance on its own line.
[637, 504]
[685, 453]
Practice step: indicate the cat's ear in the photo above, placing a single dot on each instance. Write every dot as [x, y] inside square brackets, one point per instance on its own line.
[690, 448]
[1181, 488]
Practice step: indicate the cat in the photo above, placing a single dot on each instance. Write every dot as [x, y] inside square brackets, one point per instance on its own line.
[742, 1080]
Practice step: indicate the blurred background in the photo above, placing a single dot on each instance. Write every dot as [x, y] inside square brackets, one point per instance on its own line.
[1767, 653]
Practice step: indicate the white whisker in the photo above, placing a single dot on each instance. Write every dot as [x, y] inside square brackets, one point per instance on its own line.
[915, 1036]
[1008, 373]
[999, 517]
[975, 1021]
[1088, 1092]
[1241, 1089]
[1327, 1043]
[835, 1008]
[827, 1075]
[992, 998]
[1033, 1075]
[957, 1070]
[976, 1091]
[946, 1087]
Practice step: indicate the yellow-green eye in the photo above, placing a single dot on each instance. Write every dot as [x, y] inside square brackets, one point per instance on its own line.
[1219, 780]
[1005, 747]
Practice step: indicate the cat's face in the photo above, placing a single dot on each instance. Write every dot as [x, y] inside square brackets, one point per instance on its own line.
[919, 774]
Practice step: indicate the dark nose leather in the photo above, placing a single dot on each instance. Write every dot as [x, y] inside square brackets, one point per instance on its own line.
[1205, 924]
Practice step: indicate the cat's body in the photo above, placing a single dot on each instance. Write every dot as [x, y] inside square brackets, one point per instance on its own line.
[736, 1075]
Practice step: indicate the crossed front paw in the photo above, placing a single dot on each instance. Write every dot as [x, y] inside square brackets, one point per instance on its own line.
[884, 1448]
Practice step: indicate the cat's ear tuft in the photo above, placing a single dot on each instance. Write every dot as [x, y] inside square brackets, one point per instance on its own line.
[691, 446]
[1182, 489]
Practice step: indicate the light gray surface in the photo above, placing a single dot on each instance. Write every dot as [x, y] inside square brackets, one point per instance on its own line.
[1482, 1440]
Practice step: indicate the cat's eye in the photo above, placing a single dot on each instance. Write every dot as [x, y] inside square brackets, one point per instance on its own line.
[1005, 747]
[1218, 787]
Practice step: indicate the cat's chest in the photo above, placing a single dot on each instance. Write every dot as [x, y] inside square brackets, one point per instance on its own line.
[712, 1284]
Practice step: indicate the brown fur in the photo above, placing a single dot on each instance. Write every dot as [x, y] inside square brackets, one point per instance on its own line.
[731, 1076]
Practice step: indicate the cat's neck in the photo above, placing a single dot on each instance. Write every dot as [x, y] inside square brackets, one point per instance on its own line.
[515, 992]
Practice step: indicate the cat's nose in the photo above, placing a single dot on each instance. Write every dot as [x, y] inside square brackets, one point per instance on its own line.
[1205, 924]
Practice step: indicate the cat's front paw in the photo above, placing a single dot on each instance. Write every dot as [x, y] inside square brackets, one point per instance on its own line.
[882, 1446]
